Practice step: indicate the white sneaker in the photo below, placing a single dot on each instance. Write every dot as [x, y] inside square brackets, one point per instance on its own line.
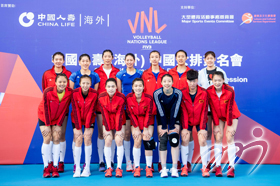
[86, 172]
[77, 173]
[164, 173]
[174, 173]
[129, 167]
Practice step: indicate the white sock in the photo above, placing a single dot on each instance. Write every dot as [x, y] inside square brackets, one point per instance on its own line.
[100, 149]
[78, 153]
[136, 156]
[158, 153]
[45, 154]
[203, 154]
[149, 160]
[218, 153]
[107, 153]
[120, 152]
[209, 146]
[184, 154]
[191, 148]
[73, 151]
[179, 150]
[231, 154]
[51, 152]
[88, 151]
[56, 152]
[127, 150]
[113, 148]
[62, 151]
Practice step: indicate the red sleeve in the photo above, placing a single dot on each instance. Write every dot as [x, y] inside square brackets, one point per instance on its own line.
[119, 114]
[76, 112]
[204, 118]
[149, 112]
[105, 116]
[184, 116]
[91, 112]
[43, 82]
[47, 108]
[134, 120]
[230, 109]
[65, 110]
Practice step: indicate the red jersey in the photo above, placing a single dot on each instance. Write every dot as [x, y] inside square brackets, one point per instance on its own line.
[179, 82]
[140, 113]
[113, 115]
[48, 79]
[194, 113]
[51, 111]
[151, 83]
[103, 78]
[223, 108]
[83, 112]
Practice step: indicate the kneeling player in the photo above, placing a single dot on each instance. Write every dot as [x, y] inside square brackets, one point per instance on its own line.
[194, 109]
[112, 105]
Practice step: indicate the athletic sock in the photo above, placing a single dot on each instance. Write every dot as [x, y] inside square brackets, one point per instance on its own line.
[78, 153]
[113, 148]
[107, 153]
[184, 154]
[120, 152]
[136, 156]
[158, 152]
[62, 151]
[209, 146]
[51, 152]
[203, 154]
[191, 148]
[149, 160]
[231, 154]
[88, 152]
[56, 152]
[127, 150]
[218, 153]
[100, 149]
[45, 154]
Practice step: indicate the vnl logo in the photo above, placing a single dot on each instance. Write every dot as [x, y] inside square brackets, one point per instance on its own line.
[29, 16]
[247, 18]
[148, 22]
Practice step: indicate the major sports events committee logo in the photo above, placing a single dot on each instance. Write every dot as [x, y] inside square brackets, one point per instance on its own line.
[26, 16]
[247, 18]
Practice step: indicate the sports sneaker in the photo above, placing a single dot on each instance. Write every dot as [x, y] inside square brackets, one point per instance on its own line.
[184, 172]
[137, 172]
[46, 172]
[219, 171]
[119, 172]
[86, 172]
[108, 173]
[159, 167]
[230, 173]
[50, 166]
[205, 172]
[174, 173]
[61, 166]
[149, 172]
[164, 173]
[55, 172]
[189, 165]
[102, 167]
[129, 167]
[77, 173]
[179, 166]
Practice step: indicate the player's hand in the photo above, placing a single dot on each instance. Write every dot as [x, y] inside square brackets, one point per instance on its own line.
[162, 132]
[203, 132]
[120, 134]
[78, 133]
[146, 133]
[136, 133]
[184, 134]
[174, 130]
[46, 131]
[106, 134]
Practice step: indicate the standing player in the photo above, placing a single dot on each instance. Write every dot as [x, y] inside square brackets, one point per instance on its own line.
[84, 61]
[83, 114]
[168, 100]
[194, 108]
[105, 71]
[112, 105]
[152, 80]
[124, 82]
[48, 80]
[224, 111]
[179, 74]
[139, 109]
[205, 80]
[51, 114]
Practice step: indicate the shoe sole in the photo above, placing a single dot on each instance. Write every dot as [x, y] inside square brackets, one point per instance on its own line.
[230, 176]
[164, 177]
[175, 176]
[108, 176]
[47, 176]
[118, 176]
[55, 176]
[184, 175]
[61, 171]
[219, 175]
[206, 176]
[149, 176]
[137, 176]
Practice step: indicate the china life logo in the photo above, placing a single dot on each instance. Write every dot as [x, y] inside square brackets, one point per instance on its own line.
[148, 22]
[26, 16]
